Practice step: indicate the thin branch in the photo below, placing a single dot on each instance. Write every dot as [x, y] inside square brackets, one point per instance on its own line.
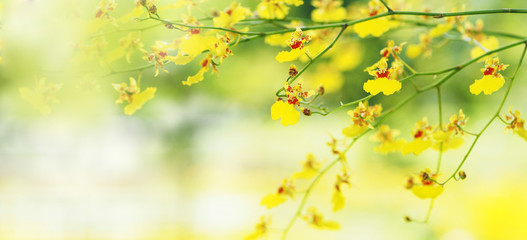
[386, 6]
[291, 80]
[496, 115]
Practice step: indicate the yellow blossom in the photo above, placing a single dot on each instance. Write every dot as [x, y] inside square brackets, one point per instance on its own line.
[231, 16]
[354, 130]
[422, 139]
[275, 9]
[488, 84]
[427, 191]
[285, 56]
[139, 100]
[206, 65]
[338, 198]
[287, 113]
[446, 140]
[383, 82]
[328, 11]
[135, 13]
[316, 220]
[423, 185]
[159, 55]
[415, 50]
[296, 43]
[278, 39]
[392, 50]
[133, 95]
[375, 27]
[489, 43]
[104, 7]
[517, 124]
[318, 41]
[450, 137]
[346, 56]
[286, 110]
[285, 190]
[362, 117]
[439, 30]
[386, 137]
[310, 168]
[456, 122]
[42, 96]
[102, 15]
[260, 229]
[126, 46]
[195, 44]
[492, 81]
[328, 76]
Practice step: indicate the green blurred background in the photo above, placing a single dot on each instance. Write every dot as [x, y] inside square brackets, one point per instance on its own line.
[195, 162]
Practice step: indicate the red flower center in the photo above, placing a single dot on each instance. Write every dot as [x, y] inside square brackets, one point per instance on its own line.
[489, 71]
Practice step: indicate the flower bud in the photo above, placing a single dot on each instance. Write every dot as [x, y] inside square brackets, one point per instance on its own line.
[462, 174]
[153, 9]
[306, 112]
[409, 183]
[293, 71]
[425, 176]
[321, 90]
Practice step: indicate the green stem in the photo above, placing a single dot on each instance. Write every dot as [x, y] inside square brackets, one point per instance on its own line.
[125, 30]
[452, 71]
[352, 22]
[503, 120]
[408, 66]
[385, 116]
[439, 107]
[291, 80]
[438, 166]
[430, 210]
[487, 32]
[386, 6]
[467, 132]
[496, 115]
[254, 35]
[311, 187]
[458, 68]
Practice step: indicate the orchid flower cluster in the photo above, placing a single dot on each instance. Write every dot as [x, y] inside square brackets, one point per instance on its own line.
[326, 46]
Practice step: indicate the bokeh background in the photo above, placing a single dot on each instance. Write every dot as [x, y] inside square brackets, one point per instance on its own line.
[195, 162]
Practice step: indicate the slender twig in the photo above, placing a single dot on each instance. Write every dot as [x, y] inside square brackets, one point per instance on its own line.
[430, 207]
[254, 35]
[487, 32]
[383, 117]
[439, 158]
[440, 116]
[503, 120]
[491, 120]
[292, 79]
[126, 30]
[440, 107]
[467, 132]
[311, 187]
[386, 6]
[352, 22]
